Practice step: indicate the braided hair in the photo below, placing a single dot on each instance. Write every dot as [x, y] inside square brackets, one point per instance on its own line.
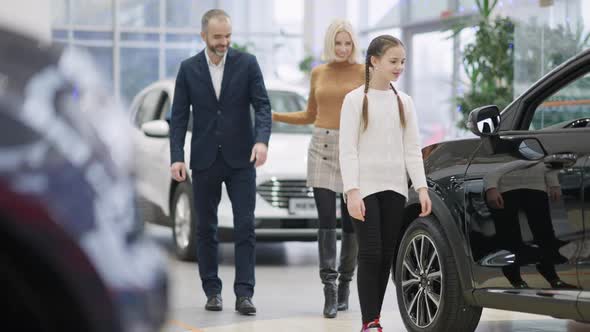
[377, 48]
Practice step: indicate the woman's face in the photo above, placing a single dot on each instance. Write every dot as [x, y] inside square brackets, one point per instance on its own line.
[391, 65]
[343, 46]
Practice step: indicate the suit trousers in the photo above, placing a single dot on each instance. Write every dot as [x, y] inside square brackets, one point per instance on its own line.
[241, 188]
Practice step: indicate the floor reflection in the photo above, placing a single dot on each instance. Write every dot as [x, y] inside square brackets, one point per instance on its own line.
[267, 253]
[289, 297]
[276, 254]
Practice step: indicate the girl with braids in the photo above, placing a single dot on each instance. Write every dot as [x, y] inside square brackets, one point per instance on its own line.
[379, 143]
[330, 82]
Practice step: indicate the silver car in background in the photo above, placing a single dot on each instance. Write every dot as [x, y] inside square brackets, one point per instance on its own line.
[285, 209]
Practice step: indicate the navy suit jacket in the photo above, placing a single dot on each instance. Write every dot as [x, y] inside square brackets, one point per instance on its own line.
[225, 122]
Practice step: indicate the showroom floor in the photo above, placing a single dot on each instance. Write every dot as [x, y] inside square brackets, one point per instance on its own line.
[289, 298]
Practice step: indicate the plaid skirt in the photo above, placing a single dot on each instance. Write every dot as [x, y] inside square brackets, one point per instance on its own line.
[323, 164]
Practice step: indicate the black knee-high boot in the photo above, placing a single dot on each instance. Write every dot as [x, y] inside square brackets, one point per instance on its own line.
[328, 273]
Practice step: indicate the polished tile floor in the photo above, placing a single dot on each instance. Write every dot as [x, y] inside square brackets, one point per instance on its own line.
[289, 298]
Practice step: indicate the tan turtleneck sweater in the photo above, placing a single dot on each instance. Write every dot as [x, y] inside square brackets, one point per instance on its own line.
[329, 84]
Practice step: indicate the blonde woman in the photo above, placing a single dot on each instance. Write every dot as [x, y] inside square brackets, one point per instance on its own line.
[330, 82]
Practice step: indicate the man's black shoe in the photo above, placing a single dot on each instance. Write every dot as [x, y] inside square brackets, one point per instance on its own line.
[214, 303]
[245, 306]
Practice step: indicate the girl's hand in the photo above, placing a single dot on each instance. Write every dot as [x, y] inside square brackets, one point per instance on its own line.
[555, 193]
[425, 202]
[494, 199]
[274, 116]
[355, 204]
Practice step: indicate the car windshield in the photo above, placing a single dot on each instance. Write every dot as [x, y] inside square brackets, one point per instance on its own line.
[286, 102]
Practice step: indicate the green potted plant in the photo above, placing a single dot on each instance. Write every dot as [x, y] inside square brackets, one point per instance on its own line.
[542, 48]
[245, 47]
[488, 61]
[308, 63]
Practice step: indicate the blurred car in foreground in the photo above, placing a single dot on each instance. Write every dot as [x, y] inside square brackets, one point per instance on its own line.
[72, 253]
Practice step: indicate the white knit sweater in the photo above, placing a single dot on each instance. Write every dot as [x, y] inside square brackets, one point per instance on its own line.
[377, 159]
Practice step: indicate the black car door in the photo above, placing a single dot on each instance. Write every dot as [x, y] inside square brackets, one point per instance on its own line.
[524, 189]
[584, 262]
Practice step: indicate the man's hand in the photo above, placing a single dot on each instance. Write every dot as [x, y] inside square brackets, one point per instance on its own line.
[178, 170]
[355, 204]
[259, 152]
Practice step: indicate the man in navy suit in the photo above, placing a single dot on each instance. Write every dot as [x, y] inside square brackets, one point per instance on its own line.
[220, 84]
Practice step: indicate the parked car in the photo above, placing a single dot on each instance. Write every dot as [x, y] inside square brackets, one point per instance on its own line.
[73, 255]
[285, 208]
[511, 213]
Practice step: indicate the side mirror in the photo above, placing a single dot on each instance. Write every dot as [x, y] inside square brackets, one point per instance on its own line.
[484, 121]
[531, 149]
[156, 128]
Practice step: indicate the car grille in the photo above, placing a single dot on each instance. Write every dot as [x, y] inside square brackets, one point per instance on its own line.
[278, 192]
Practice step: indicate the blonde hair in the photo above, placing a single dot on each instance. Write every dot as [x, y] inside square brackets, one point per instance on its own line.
[339, 25]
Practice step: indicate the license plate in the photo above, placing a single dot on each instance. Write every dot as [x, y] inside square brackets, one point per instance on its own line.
[306, 207]
[302, 206]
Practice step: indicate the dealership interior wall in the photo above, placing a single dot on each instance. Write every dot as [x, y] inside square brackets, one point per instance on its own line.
[136, 42]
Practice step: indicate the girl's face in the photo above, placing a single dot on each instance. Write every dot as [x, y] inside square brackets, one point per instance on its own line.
[342, 46]
[391, 65]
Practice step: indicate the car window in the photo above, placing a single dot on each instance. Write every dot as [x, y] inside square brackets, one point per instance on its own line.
[164, 112]
[569, 107]
[287, 102]
[148, 108]
[167, 112]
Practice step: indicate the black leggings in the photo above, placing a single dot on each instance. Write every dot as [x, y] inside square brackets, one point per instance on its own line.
[377, 237]
[325, 201]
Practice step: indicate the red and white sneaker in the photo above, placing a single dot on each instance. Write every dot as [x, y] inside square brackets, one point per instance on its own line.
[373, 326]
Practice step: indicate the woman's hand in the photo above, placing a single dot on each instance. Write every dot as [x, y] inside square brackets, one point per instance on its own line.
[425, 202]
[274, 116]
[355, 204]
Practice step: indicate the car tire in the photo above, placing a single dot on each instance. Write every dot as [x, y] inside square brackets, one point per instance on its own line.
[420, 286]
[184, 223]
[150, 213]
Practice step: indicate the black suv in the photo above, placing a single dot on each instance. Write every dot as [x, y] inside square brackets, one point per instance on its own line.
[511, 213]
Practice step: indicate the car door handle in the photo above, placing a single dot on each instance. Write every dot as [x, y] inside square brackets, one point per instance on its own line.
[561, 160]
